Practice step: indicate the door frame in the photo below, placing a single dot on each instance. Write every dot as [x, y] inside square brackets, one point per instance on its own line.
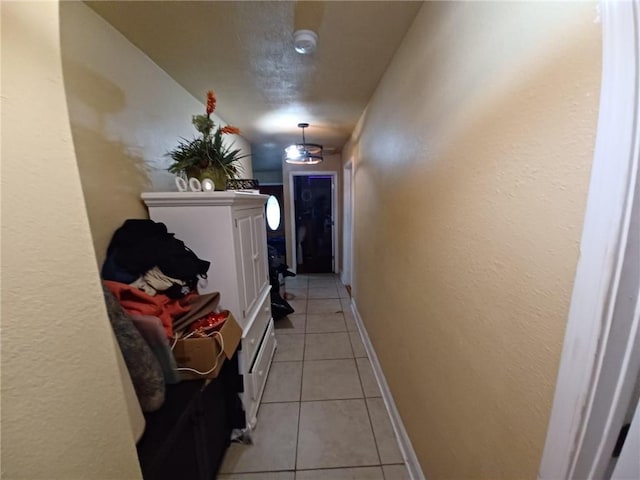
[601, 353]
[334, 213]
[347, 224]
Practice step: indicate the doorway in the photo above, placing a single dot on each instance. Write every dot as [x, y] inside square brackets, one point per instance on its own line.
[314, 207]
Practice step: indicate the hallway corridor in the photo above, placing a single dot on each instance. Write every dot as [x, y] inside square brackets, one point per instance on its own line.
[322, 415]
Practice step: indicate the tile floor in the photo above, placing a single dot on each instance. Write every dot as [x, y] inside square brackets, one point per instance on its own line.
[322, 416]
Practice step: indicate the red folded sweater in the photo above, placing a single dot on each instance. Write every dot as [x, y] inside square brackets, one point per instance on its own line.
[135, 301]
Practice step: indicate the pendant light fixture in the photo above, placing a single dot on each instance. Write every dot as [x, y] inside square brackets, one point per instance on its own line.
[303, 153]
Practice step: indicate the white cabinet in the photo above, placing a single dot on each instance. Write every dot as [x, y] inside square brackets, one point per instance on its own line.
[228, 229]
[250, 235]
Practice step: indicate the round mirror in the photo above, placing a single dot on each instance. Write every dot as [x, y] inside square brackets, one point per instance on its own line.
[273, 213]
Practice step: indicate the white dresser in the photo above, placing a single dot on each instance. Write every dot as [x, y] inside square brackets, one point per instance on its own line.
[228, 229]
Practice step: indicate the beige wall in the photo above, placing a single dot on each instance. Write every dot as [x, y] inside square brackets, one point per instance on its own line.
[331, 163]
[64, 415]
[126, 113]
[471, 173]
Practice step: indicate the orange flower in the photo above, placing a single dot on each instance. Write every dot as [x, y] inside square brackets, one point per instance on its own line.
[230, 129]
[211, 102]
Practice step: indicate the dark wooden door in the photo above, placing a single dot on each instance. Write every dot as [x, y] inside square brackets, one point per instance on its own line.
[313, 196]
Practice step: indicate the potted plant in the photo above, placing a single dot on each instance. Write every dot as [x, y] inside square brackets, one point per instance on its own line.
[207, 156]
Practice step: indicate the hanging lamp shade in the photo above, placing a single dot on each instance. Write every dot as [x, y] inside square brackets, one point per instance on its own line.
[303, 153]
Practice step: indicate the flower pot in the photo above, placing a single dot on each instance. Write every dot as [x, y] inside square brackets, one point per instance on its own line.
[217, 175]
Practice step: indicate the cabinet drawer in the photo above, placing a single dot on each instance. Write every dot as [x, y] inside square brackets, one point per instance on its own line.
[258, 374]
[253, 336]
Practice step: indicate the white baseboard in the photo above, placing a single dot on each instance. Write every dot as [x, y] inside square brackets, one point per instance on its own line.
[408, 453]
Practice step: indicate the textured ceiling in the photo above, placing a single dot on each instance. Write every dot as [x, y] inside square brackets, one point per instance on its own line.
[244, 51]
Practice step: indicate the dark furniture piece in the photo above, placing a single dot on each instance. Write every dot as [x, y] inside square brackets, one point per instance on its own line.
[188, 436]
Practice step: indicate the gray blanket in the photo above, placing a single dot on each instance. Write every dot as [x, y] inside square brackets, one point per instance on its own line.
[144, 369]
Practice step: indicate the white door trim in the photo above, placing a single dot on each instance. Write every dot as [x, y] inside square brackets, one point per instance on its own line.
[628, 465]
[334, 213]
[591, 397]
[347, 225]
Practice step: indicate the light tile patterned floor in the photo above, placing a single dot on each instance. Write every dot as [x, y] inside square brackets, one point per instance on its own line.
[322, 416]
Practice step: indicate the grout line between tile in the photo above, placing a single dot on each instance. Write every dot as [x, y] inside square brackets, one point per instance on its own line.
[304, 346]
[260, 471]
[362, 385]
[351, 345]
[375, 440]
[331, 358]
[326, 359]
[368, 465]
[295, 459]
[324, 400]
[363, 398]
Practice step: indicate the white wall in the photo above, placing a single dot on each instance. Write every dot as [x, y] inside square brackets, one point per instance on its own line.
[64, 414]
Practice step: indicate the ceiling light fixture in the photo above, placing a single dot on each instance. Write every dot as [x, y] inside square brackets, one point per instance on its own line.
[303, 153]
[305, 41]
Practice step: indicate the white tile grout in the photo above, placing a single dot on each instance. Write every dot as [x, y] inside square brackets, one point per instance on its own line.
[304, 361]
[295, 459]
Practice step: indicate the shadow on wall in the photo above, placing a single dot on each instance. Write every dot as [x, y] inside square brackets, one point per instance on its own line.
[111, 179]
[111, 174]
[100, 94]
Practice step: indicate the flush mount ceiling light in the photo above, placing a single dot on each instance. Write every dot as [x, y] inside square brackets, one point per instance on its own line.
[305, 41]
[303, 153]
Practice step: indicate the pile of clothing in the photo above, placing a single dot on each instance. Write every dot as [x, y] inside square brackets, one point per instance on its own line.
[143, 254]
[150, 287]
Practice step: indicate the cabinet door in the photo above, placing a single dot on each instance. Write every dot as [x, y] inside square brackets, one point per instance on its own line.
[260, 242]
[245, 240]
